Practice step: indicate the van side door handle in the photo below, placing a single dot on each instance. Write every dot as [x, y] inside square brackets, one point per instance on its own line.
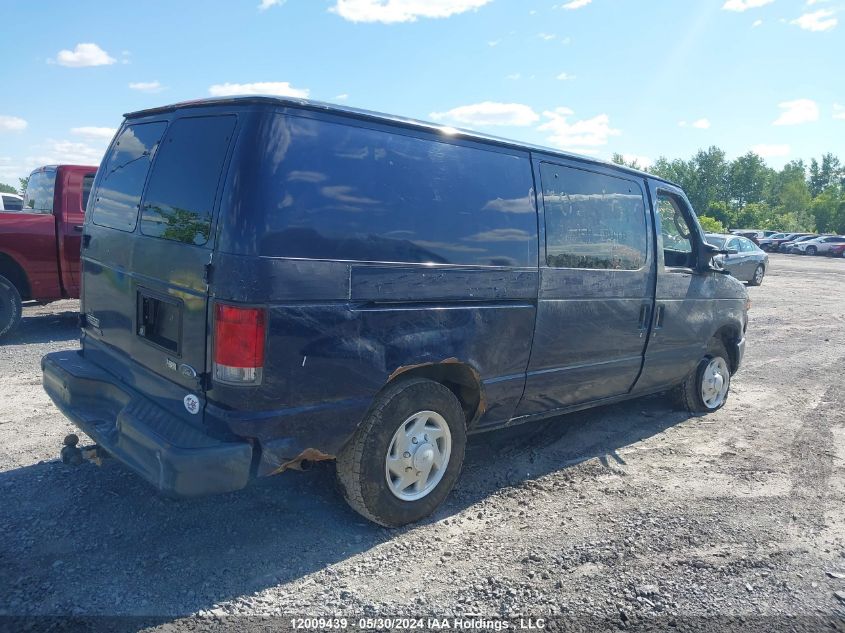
[659, 313]
[645, 318]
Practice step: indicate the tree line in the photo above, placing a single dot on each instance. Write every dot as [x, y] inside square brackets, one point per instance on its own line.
[747, 193]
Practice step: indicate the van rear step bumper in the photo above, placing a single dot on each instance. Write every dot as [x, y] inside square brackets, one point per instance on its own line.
[173, 456]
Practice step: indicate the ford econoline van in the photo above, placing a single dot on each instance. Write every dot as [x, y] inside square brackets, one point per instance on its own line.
[269, 282]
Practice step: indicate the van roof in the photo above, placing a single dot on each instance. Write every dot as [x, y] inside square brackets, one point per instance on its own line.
[381, 117]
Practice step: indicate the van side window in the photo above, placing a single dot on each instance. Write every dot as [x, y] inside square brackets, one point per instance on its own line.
[592, 220]
[87, 183]
[340, 192]
[124, 173]
[183, 183]
[677, 237]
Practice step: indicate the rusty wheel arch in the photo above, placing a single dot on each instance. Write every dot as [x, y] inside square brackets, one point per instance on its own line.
[461, 378]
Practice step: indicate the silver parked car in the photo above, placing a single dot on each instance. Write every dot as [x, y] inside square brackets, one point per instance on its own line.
[744, 259]
[820, 245]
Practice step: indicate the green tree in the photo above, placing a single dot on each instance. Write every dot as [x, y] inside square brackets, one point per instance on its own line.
[828, 210]
[748, 178]
[711, 225]
[24, 183]
[619, 159]
[4, 188]
[826, 174]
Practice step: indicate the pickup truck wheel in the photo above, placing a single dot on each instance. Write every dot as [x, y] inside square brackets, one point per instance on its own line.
[407, 454]
[706, 389]
[10, 307]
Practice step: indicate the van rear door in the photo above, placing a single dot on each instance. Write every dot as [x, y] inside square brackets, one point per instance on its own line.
[148, 242]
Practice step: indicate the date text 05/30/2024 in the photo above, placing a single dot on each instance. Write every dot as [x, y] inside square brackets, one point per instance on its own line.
[419, 624]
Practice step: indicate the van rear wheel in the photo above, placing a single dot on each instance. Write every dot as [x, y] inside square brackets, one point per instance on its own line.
[706, 389]
[406, 456]
[10, 307]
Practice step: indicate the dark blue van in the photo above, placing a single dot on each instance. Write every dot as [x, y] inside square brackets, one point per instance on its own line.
[269, 282]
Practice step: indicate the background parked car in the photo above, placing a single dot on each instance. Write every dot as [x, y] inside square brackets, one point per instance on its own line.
[744, 260]
[10, 202]
[754, 235]
[785, 246]
[772, 242]
[837, 250]
[820, 245]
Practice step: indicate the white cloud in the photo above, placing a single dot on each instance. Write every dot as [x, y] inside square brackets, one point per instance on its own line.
[820, 20]
[546, 36]
[340, 97]
[757, 23]
[12, 123]
[641, 161]
[565, 77]
[744, 5]
[146, 86]
[277, 88]
[838, 111]
[492, 43]
[489, 113]
[393, 11]
[514, 76]
[771, 151]
[797, 112]
[102, 133]
[576, 4]
[579, 134]
[64, 151]
[701, 124]
[84, 55]
[266, 4]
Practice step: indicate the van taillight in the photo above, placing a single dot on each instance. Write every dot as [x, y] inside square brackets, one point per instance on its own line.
[239, 344]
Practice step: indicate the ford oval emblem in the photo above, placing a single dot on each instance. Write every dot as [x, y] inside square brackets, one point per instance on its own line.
[192, 404]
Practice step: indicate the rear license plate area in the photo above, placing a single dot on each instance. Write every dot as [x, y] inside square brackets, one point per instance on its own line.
[160, 321]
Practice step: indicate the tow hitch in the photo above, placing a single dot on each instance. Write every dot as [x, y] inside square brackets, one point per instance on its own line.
[74, 455]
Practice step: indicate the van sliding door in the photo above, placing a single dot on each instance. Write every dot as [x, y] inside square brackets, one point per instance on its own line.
[596, 286]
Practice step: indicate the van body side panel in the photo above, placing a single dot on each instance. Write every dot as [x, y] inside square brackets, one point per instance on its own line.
[376, 249]
[596, 291]
[338, 331]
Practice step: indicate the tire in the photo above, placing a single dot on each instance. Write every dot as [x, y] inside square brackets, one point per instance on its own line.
[811, 250]
[10, 307]
[757, 277]
[690, 394]
[364, 472]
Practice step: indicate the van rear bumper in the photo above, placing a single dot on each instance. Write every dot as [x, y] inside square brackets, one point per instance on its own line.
[173, 456]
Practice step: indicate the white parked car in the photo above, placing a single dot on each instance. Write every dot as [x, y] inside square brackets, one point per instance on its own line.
[10, 202]
[820, 245]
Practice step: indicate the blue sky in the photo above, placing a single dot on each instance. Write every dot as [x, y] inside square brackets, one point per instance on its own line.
[641, 77]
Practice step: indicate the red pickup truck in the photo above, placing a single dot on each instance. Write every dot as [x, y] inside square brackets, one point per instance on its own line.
[39, 245]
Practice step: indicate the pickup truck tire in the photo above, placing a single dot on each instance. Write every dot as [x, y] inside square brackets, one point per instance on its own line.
[410, 426]
[707, 388]
[10, 307]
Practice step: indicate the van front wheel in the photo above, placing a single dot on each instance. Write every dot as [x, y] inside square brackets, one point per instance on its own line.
[10, 307]
[706, 389]
[406, 456]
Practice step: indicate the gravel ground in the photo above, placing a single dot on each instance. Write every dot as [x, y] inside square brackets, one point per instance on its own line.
[625, 514]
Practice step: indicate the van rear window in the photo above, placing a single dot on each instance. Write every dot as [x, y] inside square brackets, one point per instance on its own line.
[40, 189]
[183, 183]
[339, 192]
[124, 173]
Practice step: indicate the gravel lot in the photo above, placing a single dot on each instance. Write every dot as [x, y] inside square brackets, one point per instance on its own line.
[623, 514]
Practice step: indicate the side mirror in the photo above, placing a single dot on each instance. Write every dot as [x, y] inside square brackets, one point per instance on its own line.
[712, 258]
[732, 251]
